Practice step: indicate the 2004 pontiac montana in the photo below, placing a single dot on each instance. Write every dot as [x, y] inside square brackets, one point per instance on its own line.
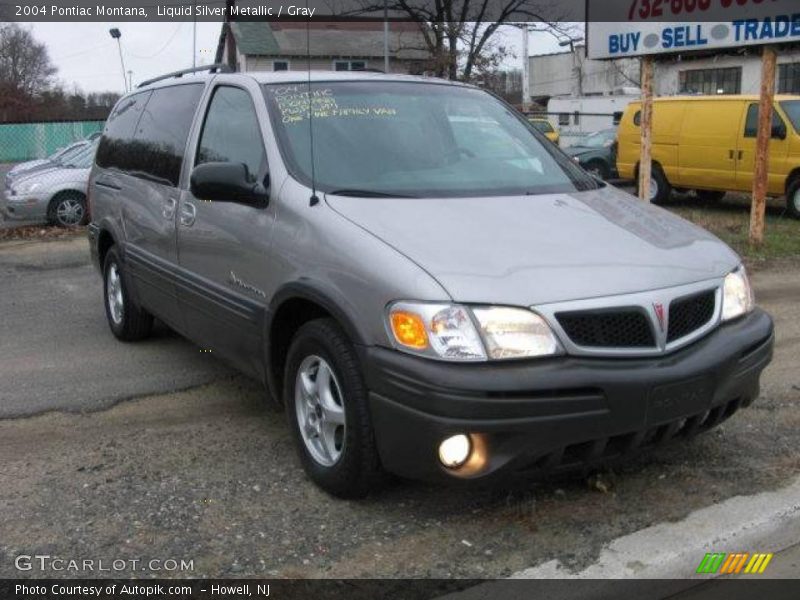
[427, 285]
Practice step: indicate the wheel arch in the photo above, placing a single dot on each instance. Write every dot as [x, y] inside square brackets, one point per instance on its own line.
[292, 306]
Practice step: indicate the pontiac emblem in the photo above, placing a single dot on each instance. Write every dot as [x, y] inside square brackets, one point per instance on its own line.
[659, 309]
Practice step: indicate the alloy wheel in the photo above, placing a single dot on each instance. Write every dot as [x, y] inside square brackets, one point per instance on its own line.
[319, 407]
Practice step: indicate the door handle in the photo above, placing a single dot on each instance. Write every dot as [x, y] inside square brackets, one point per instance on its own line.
[168, 210]
[730, 154]
[188, 213]
[741, 154]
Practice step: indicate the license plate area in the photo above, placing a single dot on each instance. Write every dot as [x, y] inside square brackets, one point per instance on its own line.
[680, 399]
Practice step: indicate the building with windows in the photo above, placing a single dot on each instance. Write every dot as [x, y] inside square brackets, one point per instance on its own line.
[725, 74]
[328, 46]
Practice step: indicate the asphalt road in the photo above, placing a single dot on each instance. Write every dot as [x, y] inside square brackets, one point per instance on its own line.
[209, 474]
[58, 353]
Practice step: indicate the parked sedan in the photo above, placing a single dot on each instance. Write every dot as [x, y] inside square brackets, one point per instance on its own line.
[64, 154]
[57, 194]
[597, 153]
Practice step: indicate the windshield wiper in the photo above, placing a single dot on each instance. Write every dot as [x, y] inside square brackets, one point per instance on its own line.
[368, 194]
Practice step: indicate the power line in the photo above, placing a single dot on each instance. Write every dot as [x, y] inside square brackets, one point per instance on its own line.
[164, 47]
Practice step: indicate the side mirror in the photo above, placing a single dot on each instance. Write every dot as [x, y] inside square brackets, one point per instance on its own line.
[227, 182]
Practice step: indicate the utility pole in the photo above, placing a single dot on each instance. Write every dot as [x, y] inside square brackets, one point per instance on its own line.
[385, 36]
[229, 39]
[759, 201]
[194, 40]
[130, 79]
[646, 123]
[526, 65]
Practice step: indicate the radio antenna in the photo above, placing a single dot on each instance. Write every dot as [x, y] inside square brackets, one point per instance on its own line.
[314, 200]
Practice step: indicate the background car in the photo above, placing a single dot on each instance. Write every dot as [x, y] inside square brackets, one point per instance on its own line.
[546, 128]
[57, 194]
[597, 153]
[54, 159]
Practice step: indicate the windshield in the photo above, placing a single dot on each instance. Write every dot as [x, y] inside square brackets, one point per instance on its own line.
[543, 126]
[69, 153]
[598, 139]
[792, 110]
[414, 139]
[82, 159]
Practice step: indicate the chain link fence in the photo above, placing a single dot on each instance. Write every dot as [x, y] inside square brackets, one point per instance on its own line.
[44, 168]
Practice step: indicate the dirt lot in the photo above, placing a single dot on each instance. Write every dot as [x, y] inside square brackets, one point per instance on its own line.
[188, 462]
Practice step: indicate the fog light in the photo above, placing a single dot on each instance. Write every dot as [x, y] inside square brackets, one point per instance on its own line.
[454, 451]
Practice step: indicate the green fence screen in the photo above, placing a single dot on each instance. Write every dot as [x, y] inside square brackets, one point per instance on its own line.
[29, 141]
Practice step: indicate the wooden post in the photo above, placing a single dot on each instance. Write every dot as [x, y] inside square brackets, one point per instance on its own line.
[646, 123]
[760, 172]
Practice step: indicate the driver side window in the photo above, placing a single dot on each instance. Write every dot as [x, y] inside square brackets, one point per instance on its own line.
[231, 132]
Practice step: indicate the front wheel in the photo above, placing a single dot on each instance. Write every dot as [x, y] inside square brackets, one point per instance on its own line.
[660, 188]
[67, 210]
[598, 168]
[328, 410]
[793, 198]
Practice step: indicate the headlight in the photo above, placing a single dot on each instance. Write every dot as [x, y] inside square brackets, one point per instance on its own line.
[28, 188]
[737, 295]
[449, 332]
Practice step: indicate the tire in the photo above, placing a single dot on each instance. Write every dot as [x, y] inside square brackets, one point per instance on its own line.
[598, 168]
[344, 462]
[128, 321]
[793, 198]
[709, 195]
[660, 188]
[68, 209]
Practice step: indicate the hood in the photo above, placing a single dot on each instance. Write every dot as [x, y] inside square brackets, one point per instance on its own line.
[582, 150]
[526, 250]
[31, 164]
[52, 177]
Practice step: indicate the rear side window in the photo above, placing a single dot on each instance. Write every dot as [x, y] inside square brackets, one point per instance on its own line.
[231, 132]
[115, 150]
[637, 118]
[163, 129]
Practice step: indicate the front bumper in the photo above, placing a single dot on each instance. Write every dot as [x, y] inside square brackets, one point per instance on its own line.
[557, 413]
[25, 207]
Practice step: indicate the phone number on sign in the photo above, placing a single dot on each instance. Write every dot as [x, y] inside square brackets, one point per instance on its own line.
[652, 9]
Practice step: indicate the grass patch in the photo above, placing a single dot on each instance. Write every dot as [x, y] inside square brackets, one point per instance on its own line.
[730, 221]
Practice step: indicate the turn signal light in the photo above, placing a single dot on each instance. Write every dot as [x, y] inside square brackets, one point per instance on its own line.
[409, 329]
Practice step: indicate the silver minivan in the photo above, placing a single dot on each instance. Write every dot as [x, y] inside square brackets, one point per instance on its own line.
[426, 284]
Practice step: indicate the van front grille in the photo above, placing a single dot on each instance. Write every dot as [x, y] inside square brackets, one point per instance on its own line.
[618, 328]
[689, 314]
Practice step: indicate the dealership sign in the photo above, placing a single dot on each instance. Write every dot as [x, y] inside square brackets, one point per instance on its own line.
[640, 27]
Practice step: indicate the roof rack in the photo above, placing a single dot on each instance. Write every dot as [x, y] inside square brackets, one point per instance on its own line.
[215, 68]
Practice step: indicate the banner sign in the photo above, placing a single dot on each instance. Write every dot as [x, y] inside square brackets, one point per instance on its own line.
[641, 27]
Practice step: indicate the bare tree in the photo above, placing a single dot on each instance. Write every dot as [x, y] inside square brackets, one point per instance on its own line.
[25, 65]
[460, 35]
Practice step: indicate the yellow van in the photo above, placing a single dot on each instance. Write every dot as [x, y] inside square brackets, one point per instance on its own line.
[707, 144]
[546, 128]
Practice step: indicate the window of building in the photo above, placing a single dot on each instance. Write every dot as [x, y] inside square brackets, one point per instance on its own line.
[751, 123]
[563, 118]
[280, 65]
[349, 65]
[789, 78]
[576, 118]
[231, 132]
[711, 81]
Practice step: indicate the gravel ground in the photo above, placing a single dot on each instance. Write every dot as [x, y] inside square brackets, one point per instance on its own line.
[208, 473]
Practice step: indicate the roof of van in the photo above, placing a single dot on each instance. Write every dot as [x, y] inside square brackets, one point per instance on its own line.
[719, 98]
[266, 77]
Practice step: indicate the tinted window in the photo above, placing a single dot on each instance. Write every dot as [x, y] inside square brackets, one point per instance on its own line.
[637, 118]
[161, 134]
[751, 123]
[231, 132]
[115, 147]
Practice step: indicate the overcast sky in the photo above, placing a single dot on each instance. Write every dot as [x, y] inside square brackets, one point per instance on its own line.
[87, 56]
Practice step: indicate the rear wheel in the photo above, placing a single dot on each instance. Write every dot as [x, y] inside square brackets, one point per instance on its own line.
[710, 195]
[660, 188]
[67, 210]
[793, 198]
[127, 320]
[328, 411]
